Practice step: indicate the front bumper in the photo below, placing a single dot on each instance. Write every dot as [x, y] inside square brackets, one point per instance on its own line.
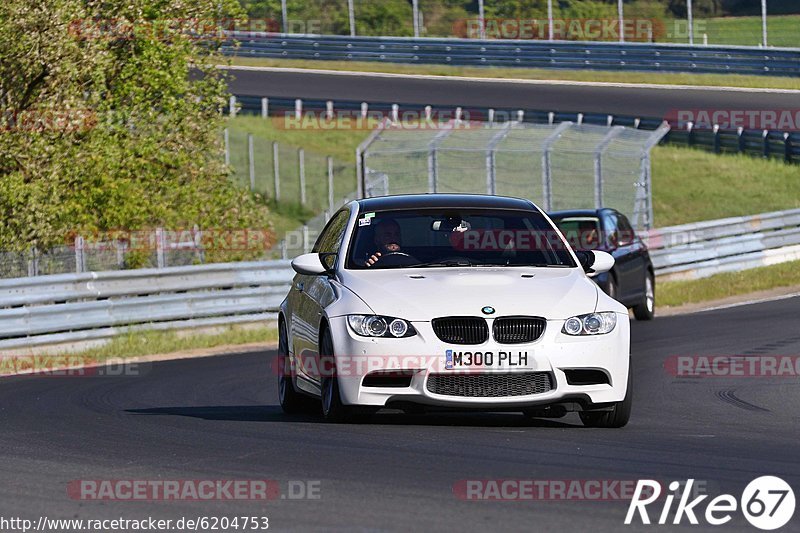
[554, 352]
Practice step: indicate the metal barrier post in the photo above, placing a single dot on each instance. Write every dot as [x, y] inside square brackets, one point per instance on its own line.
[491, 157]
[330, 183]
[433, 164]
[690, 20]
[276, 170]
[351, 16]
[227, 143]
[161, 261]
[598, 163]
[301, 160]
[547, 171]
[251, 161]
[80, 257]
[265, 108]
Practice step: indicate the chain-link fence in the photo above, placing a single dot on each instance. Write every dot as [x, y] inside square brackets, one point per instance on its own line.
[698, 22]
[287, 174]
[558, 166]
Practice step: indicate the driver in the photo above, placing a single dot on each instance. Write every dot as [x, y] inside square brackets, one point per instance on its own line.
[387, 240]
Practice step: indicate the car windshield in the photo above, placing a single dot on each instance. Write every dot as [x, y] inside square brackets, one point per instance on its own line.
[455, 237]
[582, 233]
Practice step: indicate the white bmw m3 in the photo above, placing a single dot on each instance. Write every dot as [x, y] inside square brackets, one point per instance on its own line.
[468, 302]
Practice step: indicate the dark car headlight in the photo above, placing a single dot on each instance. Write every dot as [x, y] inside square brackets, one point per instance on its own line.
[380, 326]
[590, 324]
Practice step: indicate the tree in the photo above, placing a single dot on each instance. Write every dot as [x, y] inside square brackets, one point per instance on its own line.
[111, 119]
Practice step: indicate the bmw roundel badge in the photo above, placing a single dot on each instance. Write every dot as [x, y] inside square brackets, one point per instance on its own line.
[488, 310]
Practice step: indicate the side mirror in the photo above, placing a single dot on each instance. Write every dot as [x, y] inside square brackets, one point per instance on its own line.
[595, 261]
[309, 265]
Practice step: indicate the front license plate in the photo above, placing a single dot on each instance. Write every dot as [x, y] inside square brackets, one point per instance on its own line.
[500, 358]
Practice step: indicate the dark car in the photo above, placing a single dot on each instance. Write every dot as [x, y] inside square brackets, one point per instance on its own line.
[632, 280]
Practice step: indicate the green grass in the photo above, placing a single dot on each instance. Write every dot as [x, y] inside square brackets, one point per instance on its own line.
[691, 185]
[674, 293]
[732, 80]
[782, 31]
[142, 343]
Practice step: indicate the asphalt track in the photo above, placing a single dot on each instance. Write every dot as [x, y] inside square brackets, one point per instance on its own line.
[217, 418]
[645, 102]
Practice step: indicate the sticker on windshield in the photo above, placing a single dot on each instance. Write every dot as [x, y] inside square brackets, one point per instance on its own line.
[366, 220]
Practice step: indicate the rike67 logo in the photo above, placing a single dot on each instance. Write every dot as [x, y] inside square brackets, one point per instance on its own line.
[767, 503]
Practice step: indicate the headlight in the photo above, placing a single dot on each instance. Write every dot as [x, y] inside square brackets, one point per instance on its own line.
[380, 326]
[591, 324]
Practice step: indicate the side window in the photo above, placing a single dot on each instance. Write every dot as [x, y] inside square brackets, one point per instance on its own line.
[625, 230]
[611, 229]
[330, 240]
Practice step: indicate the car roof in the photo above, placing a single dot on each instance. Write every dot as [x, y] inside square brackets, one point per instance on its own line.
[440, 200]
[580, 213]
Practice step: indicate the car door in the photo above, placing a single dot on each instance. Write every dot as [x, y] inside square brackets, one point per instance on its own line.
[313, 294]
[627, 252]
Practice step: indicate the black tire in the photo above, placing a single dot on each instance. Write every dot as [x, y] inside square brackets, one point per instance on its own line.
[292, 402]
[646, 310]
[619, 415]
[333, 410]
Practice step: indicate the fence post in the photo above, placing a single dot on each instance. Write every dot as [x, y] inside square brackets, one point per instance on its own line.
[80, 255]
[33, 263]
[227, 142]
[598, 164]
[305, 239]
[301, 161]
[433, 165]
[284, 17]
[276, 171]
[298, 109]
[330, 183]
[351, 15]
[161, 261]
[265, 108]
[482, 18]
[329, 109]
[621, 13]
[766, 147]
[251, 161]
[491, 157]
[717, 140]
[364, 110]
[232, 106]
[547, 171]
[740, 137]
[690, 20]
[549, 20]
[690, 134]
[415, 14]
[787, 147]
[764, 22]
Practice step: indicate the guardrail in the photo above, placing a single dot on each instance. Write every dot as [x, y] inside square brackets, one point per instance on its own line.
[521, 53]
[95, 305]
[68, 308]
[705, 248]
[760, 143]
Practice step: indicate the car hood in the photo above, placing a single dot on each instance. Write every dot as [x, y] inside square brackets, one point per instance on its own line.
[423, 294]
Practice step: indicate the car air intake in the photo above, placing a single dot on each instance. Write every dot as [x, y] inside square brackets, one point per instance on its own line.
[580, 376]
[490, 385]
[389, 378]
[461, 329]
[518, 329]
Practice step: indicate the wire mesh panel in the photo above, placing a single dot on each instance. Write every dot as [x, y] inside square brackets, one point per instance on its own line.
[557, 166]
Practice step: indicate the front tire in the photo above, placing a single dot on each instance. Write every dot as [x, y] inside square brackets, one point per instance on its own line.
[332, 407]
[646, 310]
[617, 417]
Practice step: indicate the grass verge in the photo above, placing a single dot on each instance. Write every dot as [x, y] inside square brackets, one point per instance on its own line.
[665, 78]
[141, 343]
[675, 293]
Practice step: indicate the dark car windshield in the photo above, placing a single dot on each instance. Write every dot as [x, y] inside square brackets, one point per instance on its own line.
[455, 237]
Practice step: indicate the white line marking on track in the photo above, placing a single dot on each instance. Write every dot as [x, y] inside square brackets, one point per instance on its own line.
[521, 81]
